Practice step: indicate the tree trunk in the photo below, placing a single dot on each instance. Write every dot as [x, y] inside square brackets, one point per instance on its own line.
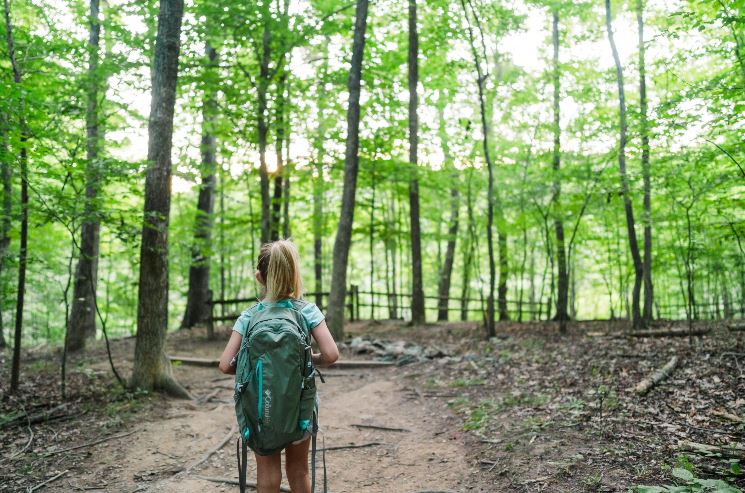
[490, 328]
[280, 173]
[417, 290]
[562, 297]
[263, 130]
[468, 252]
[152, 369]
[83, 313]
[628, 206]
[643, 130]
[335, 312]
[443, 290]
[198, 297]
[23, 158]
[6, 176]
[318, 182]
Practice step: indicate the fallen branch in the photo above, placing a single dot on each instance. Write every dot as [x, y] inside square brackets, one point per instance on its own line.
[729, 416]
[734, 450]
[41, 485]
[211, 452]
[341, 447]
[375, 427]
[250, 484]
[668, 333]
[89, 444]
[645, 385]
[47, 415]
[213, 362]
[736, 325]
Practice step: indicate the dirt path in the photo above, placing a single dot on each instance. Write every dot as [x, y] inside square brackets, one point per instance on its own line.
[427, 457]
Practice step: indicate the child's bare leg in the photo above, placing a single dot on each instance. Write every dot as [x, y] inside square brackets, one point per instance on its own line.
[296, 467]
[268, 472]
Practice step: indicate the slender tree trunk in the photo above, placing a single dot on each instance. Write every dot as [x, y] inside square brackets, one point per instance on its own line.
[647, 218]
[628, 206]
[263, 130]
[335, 312]
[417, 294]
[6, 176]
[468, 253]
[279, 176]
[371, 245]
[83, 313]
[197, 308]
[23, 159]
[318, 181]
[563, 278]
[490, 328]
[286, 232]
[443, 291]
[152, 369]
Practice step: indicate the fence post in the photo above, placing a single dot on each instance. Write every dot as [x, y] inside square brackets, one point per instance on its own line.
[211, 321]
[350, 302]
[356, 302]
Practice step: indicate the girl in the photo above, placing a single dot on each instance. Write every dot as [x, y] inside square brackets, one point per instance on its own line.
[278, 272]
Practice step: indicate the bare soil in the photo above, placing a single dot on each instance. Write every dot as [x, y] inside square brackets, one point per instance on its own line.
[527, 411]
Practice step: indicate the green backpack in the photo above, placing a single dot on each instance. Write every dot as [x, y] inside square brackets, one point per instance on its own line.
[275, 389]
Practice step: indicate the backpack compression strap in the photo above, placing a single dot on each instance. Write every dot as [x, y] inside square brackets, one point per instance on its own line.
[242, 453]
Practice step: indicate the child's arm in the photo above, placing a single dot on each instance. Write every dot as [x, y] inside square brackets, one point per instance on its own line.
[329, 353]
[227, 365]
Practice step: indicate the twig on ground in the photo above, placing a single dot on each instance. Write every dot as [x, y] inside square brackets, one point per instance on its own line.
[31, 489]
[212, 451]
[250, 484]
[375, 427]
[95, 442]
[30, 438]
[206, 398]
[362, 445]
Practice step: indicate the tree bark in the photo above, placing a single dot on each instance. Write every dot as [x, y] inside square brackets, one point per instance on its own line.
[443, 290]
[644, 131]
[152, 369]
[628, 206]
[318, 181]
[263, 130]
[279, 175]
[23, 158]
[198, 297]
[468, 252]
[6, 175]
[562, 297]
[490, 327]
[417, 290]
[83, 312]
[335, 312]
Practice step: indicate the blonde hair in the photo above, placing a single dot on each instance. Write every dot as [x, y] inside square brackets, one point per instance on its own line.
[279, 265]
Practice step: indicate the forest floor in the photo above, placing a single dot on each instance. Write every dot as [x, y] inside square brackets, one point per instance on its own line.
[527, 411]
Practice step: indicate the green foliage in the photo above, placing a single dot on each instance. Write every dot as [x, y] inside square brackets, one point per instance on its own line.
[689, 483]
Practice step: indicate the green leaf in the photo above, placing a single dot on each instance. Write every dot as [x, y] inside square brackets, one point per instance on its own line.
[683, 474]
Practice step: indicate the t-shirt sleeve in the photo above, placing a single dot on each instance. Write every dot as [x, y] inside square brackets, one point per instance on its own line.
[312, 315]
[241, 324]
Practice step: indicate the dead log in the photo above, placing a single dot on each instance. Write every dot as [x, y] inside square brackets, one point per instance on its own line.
[733, 450]
[212, 362]
[645, 385]
[668, 333]
[736, 325]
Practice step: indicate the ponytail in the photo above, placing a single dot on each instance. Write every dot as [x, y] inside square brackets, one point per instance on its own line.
[279, 265]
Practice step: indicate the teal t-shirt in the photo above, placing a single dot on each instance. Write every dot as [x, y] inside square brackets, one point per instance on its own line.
[310, 312]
